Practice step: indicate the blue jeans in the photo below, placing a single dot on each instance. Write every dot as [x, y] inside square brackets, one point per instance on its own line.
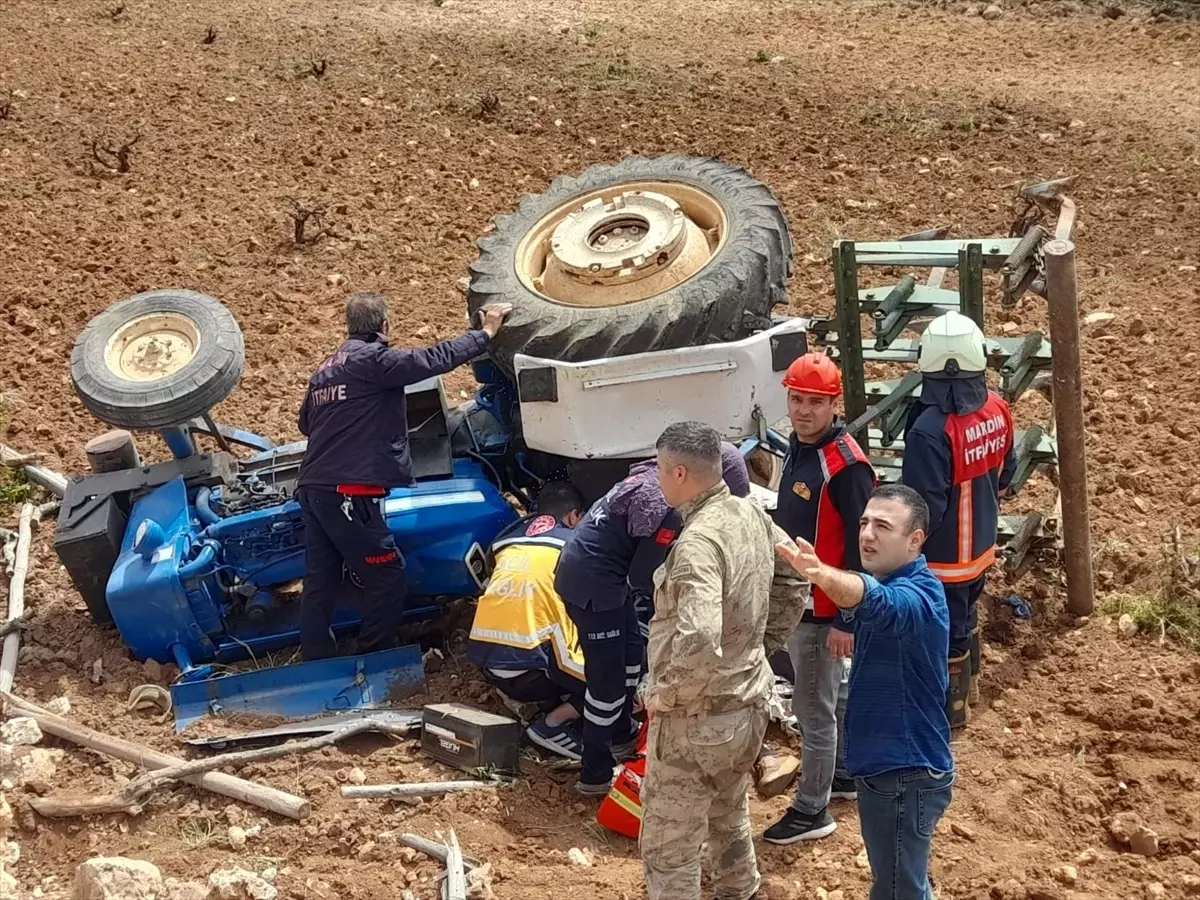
[898, 812]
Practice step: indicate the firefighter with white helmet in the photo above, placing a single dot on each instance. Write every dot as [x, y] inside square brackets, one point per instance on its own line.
[959, 456]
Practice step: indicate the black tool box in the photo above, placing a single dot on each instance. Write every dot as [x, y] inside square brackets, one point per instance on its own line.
[471, 738]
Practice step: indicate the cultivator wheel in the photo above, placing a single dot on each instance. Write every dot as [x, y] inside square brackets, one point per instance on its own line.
[157, 359]
[646, 254]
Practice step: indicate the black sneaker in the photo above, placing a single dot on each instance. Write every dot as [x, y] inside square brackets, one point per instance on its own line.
[798, 826]
[844, 789]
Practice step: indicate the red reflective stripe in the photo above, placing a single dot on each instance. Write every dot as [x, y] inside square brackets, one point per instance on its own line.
[361, 490]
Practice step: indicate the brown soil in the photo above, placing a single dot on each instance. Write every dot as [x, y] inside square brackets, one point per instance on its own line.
[918, 113]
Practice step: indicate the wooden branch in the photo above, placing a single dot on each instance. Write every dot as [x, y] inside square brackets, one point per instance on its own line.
[130, 797]
[407, 791]
[455, 887]
[16, 598]
[14, 459]
[432, 849]
[259, 795]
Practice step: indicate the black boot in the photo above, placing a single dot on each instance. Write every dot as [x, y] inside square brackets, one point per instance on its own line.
[958, 693]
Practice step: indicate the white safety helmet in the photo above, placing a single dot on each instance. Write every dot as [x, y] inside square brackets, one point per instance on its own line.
[952, 345]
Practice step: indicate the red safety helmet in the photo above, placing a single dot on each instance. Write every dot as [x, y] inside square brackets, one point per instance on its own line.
[814, 373]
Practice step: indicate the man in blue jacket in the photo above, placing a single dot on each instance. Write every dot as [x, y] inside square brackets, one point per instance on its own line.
[897, 732]
[355, 418]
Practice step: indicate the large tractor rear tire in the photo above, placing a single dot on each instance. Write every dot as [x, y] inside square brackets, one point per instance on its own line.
[157, 359]
[645, 254]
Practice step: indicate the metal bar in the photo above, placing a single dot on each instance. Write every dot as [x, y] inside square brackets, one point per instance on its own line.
[970, 282]
[923, 254]
[216, 433]
[1063, 302]
[423, 789]
[179, 441]
[845, 279]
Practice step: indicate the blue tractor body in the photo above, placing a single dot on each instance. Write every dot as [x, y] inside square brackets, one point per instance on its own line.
[193, 586]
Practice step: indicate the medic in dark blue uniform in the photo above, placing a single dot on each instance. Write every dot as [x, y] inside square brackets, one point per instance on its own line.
[355, 418]
[604, 576]
[958, 455]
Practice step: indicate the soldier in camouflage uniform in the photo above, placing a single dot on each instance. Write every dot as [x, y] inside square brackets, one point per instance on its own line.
[719, 612]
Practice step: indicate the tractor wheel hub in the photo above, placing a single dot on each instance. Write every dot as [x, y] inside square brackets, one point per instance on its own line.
[152, 347]
[627, 238]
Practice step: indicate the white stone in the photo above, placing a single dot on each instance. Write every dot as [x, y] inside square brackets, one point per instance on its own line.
[1098, 318]
[10, 853]
[237, 837]
[356, 776]
[60, 706]
[7, 820]
[269, 874]
[1067, 875]
[117, 878]
[22, 764]
[577, 857]
[993, 12]
[20, 731]
[186, 890]
[238, 884]
[8, 885]
[1126, 627]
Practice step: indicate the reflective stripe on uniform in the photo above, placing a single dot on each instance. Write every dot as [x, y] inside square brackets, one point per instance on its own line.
[956, 573]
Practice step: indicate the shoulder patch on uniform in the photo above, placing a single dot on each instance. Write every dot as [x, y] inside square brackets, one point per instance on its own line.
[540, 525]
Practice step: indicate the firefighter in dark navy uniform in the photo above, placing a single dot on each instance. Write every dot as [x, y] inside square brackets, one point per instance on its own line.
[355, 418]
[824, 488]
[958, 455]
[605, 576]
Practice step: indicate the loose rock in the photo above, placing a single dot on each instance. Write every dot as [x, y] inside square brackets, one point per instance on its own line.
[20, 731]
[992, 13]
[1126, 627]
[239, 884]
[1155, 891]
[479, 883]
[862, 861]
[356, 776]
[117, 878]
[186, 890]
[1144, 841]
[1123, 825]
[60, 706]
[237, 837]
[577, 857]
[1191, 884]
[7, 819]
[1067, 875]
[23, 764]
[1087, 857]
[961, 830]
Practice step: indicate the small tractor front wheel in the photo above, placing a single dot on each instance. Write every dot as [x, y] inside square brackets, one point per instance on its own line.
[645, 254]
[157, 359]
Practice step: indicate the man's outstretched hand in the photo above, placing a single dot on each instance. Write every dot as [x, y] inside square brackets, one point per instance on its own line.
[800, 556]
[493, 317]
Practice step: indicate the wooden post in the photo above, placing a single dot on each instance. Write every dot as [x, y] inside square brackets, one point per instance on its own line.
[1068, 417]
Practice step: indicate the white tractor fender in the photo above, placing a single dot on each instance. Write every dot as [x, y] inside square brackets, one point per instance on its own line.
[617, 407]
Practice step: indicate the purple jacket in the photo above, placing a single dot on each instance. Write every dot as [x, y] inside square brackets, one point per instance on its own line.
[354, 412]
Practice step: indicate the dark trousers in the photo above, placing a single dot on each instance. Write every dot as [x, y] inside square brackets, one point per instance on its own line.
[612, 662]
[550, 687]
[356, 535]
[962, 600]
[897, 813]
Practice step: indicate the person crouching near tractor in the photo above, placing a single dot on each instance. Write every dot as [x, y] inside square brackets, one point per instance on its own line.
[823, 490]
[958, 455]
[522, 639]
[897, 731]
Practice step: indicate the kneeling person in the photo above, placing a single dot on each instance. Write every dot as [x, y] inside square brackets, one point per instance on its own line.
[522, 639]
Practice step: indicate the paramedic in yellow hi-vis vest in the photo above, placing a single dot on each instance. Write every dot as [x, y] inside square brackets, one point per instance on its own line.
[522, 638]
